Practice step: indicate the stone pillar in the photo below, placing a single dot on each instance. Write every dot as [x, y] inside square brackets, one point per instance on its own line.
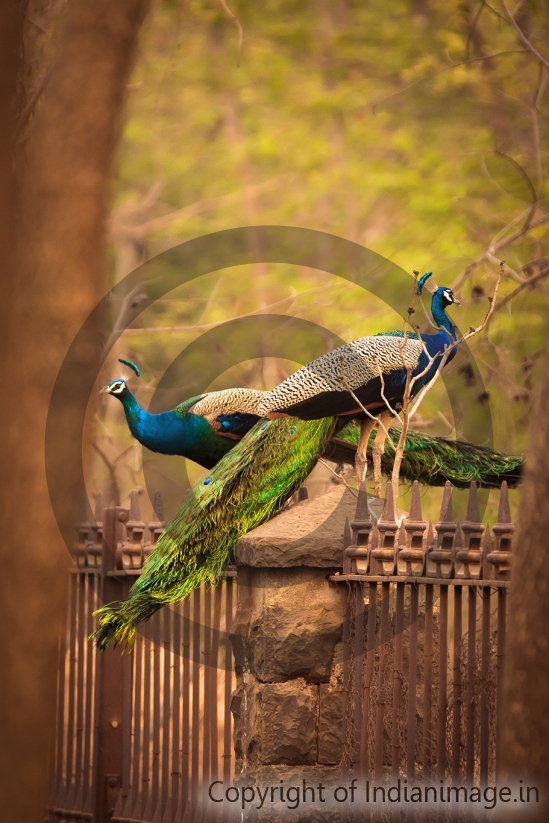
[287, 641]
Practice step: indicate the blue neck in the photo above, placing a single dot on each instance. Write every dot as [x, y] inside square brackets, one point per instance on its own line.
[439, 315]
[172, 433]
[131, 407]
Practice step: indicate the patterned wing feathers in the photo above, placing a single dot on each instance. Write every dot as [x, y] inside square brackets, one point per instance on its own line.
[228, 401]
[347, 367]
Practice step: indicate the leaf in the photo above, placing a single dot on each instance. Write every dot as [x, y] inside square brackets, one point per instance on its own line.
[510, 176]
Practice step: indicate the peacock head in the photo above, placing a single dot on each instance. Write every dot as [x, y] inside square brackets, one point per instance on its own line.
[442, 296]
[117, 387]
[446, 296]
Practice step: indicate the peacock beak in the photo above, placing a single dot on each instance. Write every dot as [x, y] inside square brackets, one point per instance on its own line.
[105, 389]
[457, 302]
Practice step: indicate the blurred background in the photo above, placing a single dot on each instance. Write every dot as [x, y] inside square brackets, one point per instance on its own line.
[417, 130]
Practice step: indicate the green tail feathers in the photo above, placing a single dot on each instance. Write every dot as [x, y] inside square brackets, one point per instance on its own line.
[247, 487]
[244, 490]
[434, 460]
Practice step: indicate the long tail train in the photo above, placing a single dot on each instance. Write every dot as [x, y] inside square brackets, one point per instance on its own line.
[434, 460]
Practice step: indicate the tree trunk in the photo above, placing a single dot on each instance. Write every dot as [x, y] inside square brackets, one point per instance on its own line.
[525, 715]
[59, 243]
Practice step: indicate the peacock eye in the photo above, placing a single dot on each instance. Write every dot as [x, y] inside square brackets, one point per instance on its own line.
[263, 427]
[207, 481]
[292, 431]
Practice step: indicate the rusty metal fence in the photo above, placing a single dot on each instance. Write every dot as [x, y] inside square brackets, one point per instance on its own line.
[426, 642]
[138, 734]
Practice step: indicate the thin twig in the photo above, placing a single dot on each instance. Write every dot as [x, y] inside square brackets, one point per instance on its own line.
[530, 282]
[358, 402]
[440, 71]
[494, 246]
[237, 23]
[340, 477]
[118, 230]
[522, 37]
[262, 310]
[110, 468]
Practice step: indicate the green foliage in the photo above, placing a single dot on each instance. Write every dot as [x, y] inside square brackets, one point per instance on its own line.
[388, 124]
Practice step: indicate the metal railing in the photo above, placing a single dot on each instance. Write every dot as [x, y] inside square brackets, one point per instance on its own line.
[137, 735]
[425, 639]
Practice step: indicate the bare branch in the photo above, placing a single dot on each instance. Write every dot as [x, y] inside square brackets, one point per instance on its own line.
[530, 282]
[192, 210]
[111, 469]
[446, 68]
[237, 23]
[205, 326]
[522, 37]
[494, 246]
[361, 405]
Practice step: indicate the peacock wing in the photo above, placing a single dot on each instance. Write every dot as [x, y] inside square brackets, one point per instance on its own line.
[346, 368]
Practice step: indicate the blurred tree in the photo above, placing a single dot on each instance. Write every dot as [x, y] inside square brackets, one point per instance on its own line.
[525, 711]
[69, 125]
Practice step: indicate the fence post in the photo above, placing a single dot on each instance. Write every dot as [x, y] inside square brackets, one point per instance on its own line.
[111, 672]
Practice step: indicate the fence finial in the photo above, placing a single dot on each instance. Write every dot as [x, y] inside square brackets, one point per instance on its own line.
[346, 533]
[362, 511]
[415, 507]
[388, 529]
[388, 514]
[469, 558]
[504, 510]
[135, 513]
[411, 543]
[361, 526]
[501, 557]
[473, 512]
[130, 551]
[440, 555]
[446, 508]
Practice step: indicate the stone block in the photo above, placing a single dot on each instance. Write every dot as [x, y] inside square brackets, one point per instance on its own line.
[330, 724]
[309, 533]
[289, 621]
[282, 724]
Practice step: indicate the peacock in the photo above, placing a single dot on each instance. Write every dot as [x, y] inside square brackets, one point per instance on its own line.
[365, 378]
[205, 438]
[251, 483]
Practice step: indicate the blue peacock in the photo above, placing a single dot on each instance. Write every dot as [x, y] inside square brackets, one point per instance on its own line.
[202, 438]
[260, 473]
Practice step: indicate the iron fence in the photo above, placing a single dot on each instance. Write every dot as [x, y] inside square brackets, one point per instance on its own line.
[137, 735]
[425, 636]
